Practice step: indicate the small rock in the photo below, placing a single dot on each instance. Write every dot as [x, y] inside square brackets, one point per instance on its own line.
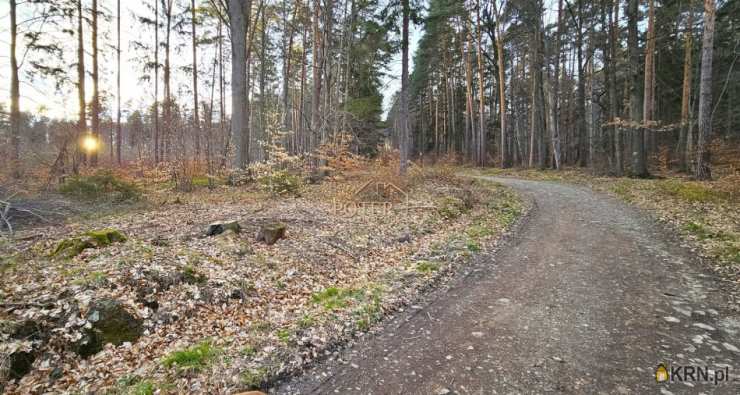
[477, 334]
[217, 228]
[730, 347]
[271, 233]
[114, 325]
[671, 319]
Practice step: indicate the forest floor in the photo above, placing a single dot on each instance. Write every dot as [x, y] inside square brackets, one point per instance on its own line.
[222, 313]
[589, 295]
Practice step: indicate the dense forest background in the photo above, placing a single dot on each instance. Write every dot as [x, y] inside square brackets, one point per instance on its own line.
[621, 87]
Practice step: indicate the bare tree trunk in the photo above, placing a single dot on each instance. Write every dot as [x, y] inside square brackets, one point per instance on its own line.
[555, 100]
[95, 77]
[167, 141]
[119, 138]
[472, 153]
[317, 66]
[648, 103]
[482, 133]
[703, 169]
[287, 54]
[683, 154]
[639, 160]
[611, 87]
[196, 118]
[82, 118]
[156, 81]
[404, 111]
[501, 87]
[581, 93]
[15, 96]
[239, 15]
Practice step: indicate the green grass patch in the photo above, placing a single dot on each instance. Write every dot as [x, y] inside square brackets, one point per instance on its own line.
[334, 298]
[473, 246]
[134, 385]
[506, 209]
[195, 357]
[426, 266]
[370, 311]
[249, 350]
[306, 321]
[284, 335]
[478, 231]
[690, 191]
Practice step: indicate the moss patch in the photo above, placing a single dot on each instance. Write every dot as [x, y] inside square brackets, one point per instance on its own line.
[73, 246]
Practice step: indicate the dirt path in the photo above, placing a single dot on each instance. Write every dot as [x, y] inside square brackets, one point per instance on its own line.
[589, 297]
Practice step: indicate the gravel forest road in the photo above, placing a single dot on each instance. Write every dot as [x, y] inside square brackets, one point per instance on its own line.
[588, 296]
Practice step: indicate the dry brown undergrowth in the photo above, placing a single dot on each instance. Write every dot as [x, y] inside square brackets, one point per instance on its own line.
[226, 312]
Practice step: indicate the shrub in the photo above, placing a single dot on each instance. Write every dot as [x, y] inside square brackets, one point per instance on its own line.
[103, 185]
[280, 182]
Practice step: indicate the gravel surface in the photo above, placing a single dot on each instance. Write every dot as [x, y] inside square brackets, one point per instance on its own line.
[589, 296]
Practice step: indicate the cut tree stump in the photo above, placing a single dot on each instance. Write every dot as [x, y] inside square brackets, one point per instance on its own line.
[217, 228]
[271, 233]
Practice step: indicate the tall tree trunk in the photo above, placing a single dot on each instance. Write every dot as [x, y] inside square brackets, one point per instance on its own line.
[404, 111]
[95, 79]
[611, 87]
[501, 88]
[119, 138]
[555, 101]
[15, 96]
[262, 133]
[196, 118]
[82, 118]
[703, 170]
[581, 92]
[287, 55]
[239, 15]
[471, 153]
[317, 67]
[683, 155]
[156, 81]
[482, 132]
[167, 5]
[648, 103]
[639, 160]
